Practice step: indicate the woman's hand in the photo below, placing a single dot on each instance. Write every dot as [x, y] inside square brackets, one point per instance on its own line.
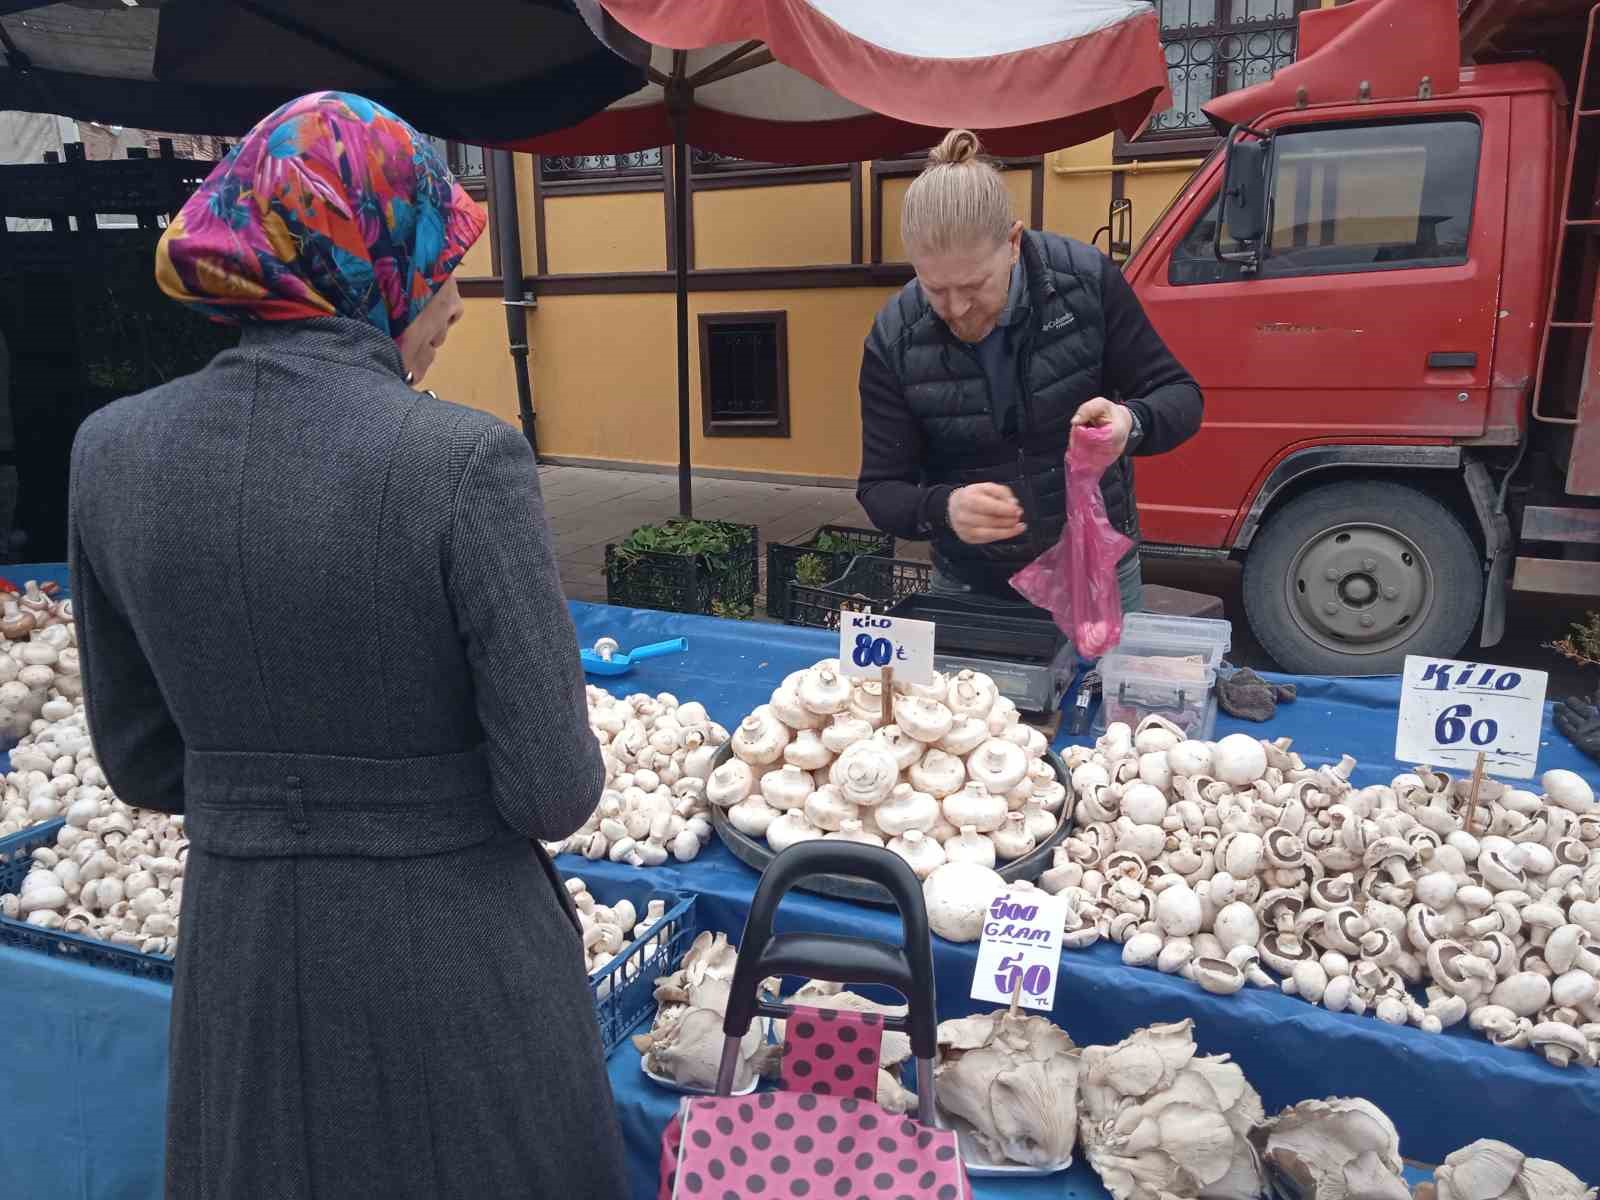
[985, 512]
[1101, 411]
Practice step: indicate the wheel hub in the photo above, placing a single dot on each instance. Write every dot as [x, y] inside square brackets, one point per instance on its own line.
[1359, 588]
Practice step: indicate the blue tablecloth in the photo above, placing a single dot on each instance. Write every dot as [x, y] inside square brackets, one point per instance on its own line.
[85, 1049]
[1442, 1090]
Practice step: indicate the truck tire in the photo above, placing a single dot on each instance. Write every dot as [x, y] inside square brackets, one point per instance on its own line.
[1351, 577]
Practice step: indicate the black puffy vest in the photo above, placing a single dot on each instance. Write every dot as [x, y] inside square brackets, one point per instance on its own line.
[1056, 345]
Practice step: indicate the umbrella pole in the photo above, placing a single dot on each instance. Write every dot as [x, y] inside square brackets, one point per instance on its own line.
[680, 239]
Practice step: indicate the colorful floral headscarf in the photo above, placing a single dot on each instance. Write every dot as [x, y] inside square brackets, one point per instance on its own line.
[332, 206]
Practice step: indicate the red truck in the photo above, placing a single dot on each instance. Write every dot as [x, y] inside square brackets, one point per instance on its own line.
[1385, 281]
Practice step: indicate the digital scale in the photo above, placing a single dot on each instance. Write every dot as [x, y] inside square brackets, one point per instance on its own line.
[1030, 660]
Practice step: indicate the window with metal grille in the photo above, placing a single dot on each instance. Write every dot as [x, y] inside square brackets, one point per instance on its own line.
[570, 168]
[465, 161]
[1213, 47]
[744, 374]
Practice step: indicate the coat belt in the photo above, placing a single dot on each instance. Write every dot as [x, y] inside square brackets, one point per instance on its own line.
[249, 804]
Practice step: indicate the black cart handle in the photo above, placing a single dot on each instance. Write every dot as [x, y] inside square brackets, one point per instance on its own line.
[908, 968]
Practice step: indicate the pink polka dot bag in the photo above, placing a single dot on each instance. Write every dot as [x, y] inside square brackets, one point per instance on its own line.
[823, 1136]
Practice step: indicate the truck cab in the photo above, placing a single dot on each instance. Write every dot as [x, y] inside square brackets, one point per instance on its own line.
[1361, 279]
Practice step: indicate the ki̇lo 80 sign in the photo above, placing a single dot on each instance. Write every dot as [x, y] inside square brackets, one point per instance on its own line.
[1452, 711]
[870, 643]
[1020, 953]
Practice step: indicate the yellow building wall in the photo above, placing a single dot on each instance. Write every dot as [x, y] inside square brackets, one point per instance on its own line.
[800, 226]
[474, 364]
[601, 394]
[1077, 189]
[479, 260]
[620, 231]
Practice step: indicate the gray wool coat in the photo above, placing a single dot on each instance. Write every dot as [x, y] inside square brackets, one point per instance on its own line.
[320, 616]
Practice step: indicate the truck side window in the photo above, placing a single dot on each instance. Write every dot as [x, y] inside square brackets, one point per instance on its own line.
[1372, 197]
[1195, 258]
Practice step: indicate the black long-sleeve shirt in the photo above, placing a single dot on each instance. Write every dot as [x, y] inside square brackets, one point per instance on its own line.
[1137, 369]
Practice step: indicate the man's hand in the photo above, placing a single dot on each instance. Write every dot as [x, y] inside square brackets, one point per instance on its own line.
[985, 512]
[1101, 411]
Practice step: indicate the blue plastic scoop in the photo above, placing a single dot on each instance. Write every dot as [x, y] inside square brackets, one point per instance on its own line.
[607, 658]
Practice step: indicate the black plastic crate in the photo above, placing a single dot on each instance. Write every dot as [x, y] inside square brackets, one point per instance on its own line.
[685, 583]
[967, 626]
[870, 585]
[786, 563]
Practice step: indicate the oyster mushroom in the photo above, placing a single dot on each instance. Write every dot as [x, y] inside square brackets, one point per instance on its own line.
[1156, 1119]
[1490, 1170]
[1338, 1149]
[1007, 1082]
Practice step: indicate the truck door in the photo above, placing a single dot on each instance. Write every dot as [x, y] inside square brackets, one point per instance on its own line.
[1371, 319]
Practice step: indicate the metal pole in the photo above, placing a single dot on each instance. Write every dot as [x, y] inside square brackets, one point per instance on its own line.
[680, 237]
[508, 228]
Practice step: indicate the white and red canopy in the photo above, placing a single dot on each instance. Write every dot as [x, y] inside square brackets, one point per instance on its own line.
[804, 81]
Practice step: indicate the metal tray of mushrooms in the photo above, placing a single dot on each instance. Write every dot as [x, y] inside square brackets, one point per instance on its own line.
[754, 852]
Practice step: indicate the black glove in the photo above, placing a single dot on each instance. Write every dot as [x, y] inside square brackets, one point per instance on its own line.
[1579, 719]
[1246, 695]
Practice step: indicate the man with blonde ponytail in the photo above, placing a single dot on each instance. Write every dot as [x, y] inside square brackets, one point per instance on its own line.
[974, 375]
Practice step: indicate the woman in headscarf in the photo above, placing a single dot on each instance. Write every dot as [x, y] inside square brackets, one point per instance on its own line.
[320, 617]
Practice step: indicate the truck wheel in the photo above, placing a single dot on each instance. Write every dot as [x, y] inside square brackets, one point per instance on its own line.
[1350, 578]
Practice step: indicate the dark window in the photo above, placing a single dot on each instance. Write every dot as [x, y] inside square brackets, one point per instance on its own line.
[1356, 198]
[1195, 259]
[744, 374]
[465, 161]
[1212, 47]
[709, 162]
[566, 168]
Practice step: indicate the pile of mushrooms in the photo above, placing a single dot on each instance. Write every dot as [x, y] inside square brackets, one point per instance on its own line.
[684, 1044]
[113, 873]
[608, 928]
[1216, 860]
[954, 777]
[52, 768]
[657, 754]
[1157, 1121]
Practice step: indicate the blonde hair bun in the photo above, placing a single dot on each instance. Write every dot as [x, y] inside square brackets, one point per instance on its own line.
[958, 202]
[957, 147]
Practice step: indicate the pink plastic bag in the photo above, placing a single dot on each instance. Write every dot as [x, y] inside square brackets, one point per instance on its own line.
[1076, 579]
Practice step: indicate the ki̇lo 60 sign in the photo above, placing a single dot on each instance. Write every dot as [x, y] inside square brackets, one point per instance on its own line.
[1452, 711]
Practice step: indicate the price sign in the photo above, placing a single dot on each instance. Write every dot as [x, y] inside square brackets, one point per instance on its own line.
[1451, 711]
[869, 642]
[1021, 945]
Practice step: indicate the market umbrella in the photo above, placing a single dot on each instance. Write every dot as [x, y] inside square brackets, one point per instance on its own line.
[472, 70]
[820, 81]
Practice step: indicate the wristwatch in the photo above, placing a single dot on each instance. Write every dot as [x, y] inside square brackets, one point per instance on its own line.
[1136, 434]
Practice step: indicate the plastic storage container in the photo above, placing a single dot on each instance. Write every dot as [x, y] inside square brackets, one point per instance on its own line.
[1166, 666]
[1138, 627]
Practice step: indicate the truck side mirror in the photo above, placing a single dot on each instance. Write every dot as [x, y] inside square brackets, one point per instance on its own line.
[1245, 197]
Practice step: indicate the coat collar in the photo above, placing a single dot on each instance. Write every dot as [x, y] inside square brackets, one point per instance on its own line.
[334, 339]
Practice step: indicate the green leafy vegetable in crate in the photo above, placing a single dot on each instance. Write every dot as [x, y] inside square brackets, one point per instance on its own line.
[707, 540]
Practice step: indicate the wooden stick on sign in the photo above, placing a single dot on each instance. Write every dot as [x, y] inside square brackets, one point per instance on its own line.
[886, 679]
[1472, 796]
[1016, 993]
